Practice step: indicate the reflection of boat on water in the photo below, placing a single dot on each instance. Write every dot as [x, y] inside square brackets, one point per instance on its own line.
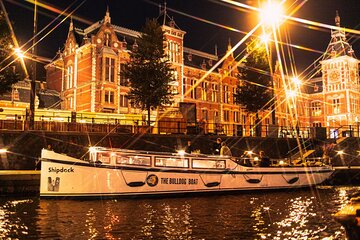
[349, 217]
[119, 172]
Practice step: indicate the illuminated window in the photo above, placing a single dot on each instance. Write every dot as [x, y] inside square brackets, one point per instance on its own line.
[109, 69]
[226, 115]
[204, 114]
[69, 77]
[226, 94]
[336, 105]
[133, 160]
[15, 95]
[316, 109]
[124, 102]
[233, 94]
[174, 84]
[103, 157]
[204, 88]
[192, 89]
[204, 163]
[109, 97]
[216, 116]
[184, 86]
[214, 93]
[236, 116]
[354, 105]
[171, 162]
[173, 50]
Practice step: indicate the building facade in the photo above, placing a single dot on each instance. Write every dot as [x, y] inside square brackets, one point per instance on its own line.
[329, 100]
[88, 74]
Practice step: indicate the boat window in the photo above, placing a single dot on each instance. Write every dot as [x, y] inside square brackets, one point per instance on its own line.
[133, 160]
[205, 163]
[171, 162]
[103, 157]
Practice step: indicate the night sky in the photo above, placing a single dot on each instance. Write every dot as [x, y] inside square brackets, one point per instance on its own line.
[200, 35]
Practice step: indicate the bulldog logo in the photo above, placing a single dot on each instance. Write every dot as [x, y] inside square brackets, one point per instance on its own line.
[152, 180]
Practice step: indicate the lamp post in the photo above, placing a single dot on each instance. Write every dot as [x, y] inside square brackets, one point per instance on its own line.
[33, 77]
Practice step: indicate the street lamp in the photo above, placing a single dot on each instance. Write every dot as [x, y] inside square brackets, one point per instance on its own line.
[296, 81]
[19, 53]
[271, 13]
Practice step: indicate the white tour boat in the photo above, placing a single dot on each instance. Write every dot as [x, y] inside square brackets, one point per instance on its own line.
[118, 172]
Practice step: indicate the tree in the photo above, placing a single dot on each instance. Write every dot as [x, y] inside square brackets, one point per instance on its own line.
[255, 90]
[149, 70]
[8, 75]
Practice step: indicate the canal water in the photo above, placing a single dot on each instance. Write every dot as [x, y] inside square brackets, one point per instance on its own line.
[294, 214]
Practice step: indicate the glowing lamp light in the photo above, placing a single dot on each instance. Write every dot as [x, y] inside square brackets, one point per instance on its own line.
[3, 150]
[271, 13]
[341, 152]
[256, 158]
[181, 152]
[296, 81]
[281, 162]
[19, 53]
[265, 38]
[249, 152]
[92, 149]
[291, 93]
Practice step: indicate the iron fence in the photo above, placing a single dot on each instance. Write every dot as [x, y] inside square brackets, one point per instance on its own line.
[181, 127]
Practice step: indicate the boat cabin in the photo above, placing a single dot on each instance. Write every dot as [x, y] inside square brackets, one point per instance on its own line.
[159, 160]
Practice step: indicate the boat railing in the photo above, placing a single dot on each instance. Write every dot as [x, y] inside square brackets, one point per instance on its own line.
[284, 162]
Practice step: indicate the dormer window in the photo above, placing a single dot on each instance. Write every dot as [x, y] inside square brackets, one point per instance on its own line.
[15, 95]
[124, 43]
[107, 39]
[203, 65]
[172, 23]
[135, 46]
[316, 88]
[190, 57]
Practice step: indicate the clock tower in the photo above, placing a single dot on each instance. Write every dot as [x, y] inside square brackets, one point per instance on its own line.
[340, 77]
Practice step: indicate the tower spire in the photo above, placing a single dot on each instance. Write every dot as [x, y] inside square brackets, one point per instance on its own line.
[229, 47]
[165, 13]
[337, 19]
[107, 18]
[71, 27]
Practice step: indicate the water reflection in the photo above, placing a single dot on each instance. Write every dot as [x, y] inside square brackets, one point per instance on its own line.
[11, 224]
[301, 214]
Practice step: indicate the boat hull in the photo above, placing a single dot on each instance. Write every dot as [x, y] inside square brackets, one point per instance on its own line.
[68, 179]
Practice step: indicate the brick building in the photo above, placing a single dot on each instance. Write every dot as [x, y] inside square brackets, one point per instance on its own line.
[88, 74]
[329, 100]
